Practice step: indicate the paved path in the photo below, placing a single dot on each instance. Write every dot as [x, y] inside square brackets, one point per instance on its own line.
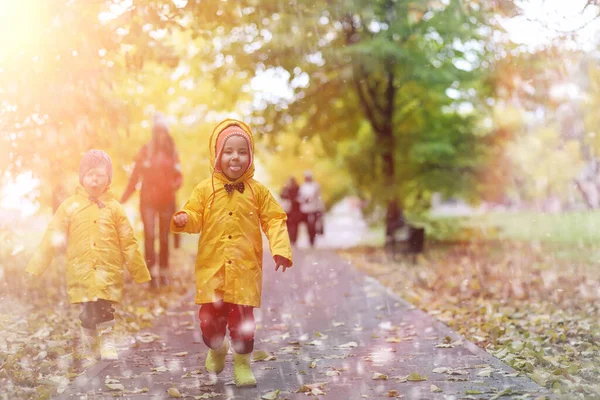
[324, 324]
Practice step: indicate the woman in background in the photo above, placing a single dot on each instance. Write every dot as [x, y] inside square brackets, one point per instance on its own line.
[157, 166]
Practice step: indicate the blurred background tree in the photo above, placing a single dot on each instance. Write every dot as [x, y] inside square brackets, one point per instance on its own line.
[384, 99]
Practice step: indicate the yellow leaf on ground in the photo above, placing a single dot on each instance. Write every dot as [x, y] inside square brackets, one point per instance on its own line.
[260, 355]
[415, 377]
[379, 377]
[435, 389]
[271, 395]
[115, 386]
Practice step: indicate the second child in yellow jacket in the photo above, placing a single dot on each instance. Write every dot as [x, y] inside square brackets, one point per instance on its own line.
[100, 245]
[229, 209]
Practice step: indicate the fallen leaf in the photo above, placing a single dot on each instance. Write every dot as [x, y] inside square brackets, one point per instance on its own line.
[138, 391]
[115, 386]
[320, 335]
[207, 396]
[379, 377]
[435, 389]
[174, 392]
[308, 388]
[458, 372]
[415, 377]
[271, 395]
[348, 345]
[260, 355]
[485, 372]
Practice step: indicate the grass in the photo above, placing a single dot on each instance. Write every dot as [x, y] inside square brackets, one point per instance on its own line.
[576, 228]
[573, 227]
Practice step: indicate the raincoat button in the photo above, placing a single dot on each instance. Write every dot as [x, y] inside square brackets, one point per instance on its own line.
[229, 261]
[95, 221]
[229, 236]
[230, 213]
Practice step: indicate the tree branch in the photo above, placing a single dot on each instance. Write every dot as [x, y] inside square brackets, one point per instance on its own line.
[372, 91]
[390, 95]
[367, 107]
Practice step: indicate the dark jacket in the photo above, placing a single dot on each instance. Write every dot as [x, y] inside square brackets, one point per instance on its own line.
[290, 193]
[161, 178]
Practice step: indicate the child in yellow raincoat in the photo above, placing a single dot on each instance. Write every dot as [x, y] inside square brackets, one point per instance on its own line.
[230, 208]
[100, 244]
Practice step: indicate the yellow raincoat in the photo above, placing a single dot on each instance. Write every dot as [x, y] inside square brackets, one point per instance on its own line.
[230, 252]
[100, 245]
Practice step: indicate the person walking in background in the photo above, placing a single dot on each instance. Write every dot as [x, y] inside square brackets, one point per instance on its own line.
[157, 166]
[100, 244]
[228, 210]
[311, 206]
[291, 205]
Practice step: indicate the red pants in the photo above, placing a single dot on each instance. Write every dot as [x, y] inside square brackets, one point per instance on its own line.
[216, 317]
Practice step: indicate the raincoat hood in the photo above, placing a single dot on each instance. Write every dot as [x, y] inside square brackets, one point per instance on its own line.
[212, 144]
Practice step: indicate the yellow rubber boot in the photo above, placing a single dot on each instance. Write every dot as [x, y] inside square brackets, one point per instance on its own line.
[242, 374]
[108, 350]
[215, 360]
[89, 344]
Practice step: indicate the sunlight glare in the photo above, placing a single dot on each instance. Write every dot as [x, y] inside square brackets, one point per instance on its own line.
[13, 195]
[20, 27]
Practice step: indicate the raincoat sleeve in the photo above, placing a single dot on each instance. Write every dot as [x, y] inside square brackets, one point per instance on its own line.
[132, 258]
[194, 208]
[273, 222]
[54, 237]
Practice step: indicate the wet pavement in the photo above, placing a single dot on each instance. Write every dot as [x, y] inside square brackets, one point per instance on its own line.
[325, 330]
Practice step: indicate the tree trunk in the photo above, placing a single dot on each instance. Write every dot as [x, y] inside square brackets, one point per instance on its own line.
[584, 194]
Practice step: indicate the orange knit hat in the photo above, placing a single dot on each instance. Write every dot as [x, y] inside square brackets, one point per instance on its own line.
[232, 130]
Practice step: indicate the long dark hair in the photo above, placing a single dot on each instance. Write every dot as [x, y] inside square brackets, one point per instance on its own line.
[160, 128]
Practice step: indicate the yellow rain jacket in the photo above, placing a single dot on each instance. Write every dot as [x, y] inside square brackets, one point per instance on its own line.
[100, 245]
[230, 251]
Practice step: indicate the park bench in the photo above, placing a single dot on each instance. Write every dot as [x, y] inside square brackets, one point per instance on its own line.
[406, 239]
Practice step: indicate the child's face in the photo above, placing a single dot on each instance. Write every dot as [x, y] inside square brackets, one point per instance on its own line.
[95, 181]
[235, 157]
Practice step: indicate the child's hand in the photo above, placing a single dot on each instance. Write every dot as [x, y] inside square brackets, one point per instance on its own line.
[281, 262]
[180, 219]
